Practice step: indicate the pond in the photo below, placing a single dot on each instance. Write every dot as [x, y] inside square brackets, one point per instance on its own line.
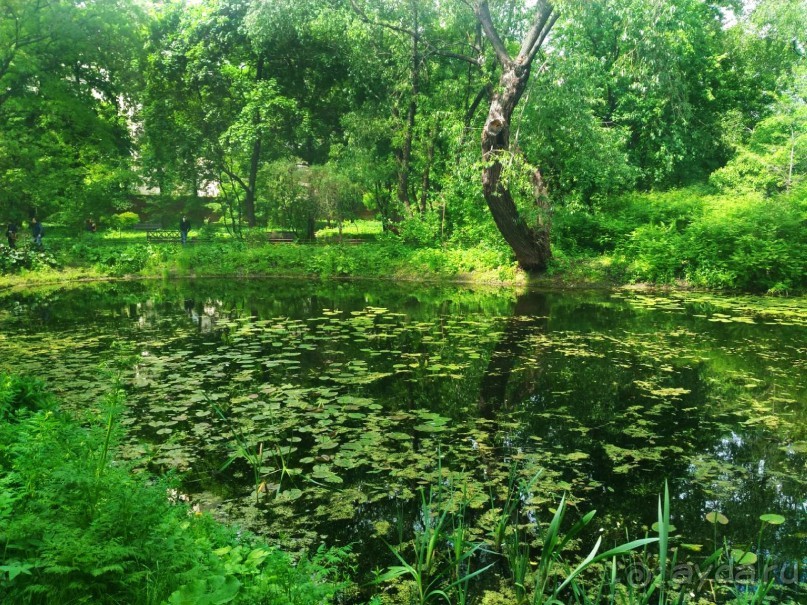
[341, 402]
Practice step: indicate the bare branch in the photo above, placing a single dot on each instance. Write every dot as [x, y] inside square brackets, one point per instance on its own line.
[544, 34]
[483, 15]
[534, 34]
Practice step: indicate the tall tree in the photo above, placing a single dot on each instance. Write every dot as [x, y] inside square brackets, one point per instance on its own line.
[211, 104]
[530, 242]
[66, 83]
[419, 69]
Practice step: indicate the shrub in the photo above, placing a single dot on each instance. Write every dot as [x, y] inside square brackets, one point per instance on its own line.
[740, 242]
[421, 230]
[117, 260]
[20, 393]
[124, 220]
[14, 260]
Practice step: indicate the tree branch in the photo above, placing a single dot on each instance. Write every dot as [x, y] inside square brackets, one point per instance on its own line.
[534, 34]
[234, 177]
[483, 92]
[483, 15]
[544, 33]
[411, 33]
[397, 28]
[452, 55]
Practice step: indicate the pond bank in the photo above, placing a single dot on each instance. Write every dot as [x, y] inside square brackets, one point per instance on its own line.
[377, 261]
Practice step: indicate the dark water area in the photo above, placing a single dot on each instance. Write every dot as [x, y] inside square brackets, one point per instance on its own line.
[342, 402]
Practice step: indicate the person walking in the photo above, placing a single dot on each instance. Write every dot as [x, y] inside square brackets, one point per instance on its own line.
[37, 231]
[11, 234]
[184, 227]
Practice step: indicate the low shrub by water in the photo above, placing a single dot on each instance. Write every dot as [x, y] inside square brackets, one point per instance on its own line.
[743, 242]
[15, 260]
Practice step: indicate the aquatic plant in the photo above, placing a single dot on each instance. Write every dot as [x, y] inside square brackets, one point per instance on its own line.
[442, 561]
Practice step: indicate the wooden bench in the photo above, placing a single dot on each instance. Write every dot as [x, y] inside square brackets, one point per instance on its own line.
[162, 236]
[280, 237]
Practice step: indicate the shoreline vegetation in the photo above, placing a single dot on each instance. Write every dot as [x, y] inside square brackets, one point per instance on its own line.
[685, 239]
[229, 260]
[80, 525]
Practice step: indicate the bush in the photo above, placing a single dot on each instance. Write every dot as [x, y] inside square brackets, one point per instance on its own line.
[421, 230]
[21, 393]
[739, 242]
[117, 260]
[14, 260]
[124, 220]
[79, 528]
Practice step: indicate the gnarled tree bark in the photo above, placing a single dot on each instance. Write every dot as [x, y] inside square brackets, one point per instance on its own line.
[530, 243]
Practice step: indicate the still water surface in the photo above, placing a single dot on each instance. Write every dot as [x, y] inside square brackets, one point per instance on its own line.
[350, 397]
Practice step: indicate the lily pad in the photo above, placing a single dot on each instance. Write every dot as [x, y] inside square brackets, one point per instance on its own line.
[742, 557]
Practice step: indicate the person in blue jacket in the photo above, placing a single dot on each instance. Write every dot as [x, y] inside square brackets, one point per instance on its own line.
[37, 231]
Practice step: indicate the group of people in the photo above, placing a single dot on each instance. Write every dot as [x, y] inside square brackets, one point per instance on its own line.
[37, 231]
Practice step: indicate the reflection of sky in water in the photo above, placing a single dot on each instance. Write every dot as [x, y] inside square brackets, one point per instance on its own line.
[367, 383]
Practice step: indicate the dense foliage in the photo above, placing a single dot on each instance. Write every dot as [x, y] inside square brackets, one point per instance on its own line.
[695, 235]
[78, 527]
[286, 113]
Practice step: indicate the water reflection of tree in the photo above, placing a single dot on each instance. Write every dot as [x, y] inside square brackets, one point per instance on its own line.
[583, 412]
[530, 315]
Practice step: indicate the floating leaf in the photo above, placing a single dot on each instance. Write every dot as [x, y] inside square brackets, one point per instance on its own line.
[771, 518]
[656, 527]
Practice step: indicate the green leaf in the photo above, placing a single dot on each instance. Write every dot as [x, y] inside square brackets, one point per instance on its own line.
[216, 590]
[715, 517]
[743, 557]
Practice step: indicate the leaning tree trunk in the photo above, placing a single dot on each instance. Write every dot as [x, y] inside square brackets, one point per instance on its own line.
[530, 243]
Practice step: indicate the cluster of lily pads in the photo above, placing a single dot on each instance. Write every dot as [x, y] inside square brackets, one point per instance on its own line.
[325, 424]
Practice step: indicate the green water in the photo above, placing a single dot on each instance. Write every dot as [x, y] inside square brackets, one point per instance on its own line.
[350, 397]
